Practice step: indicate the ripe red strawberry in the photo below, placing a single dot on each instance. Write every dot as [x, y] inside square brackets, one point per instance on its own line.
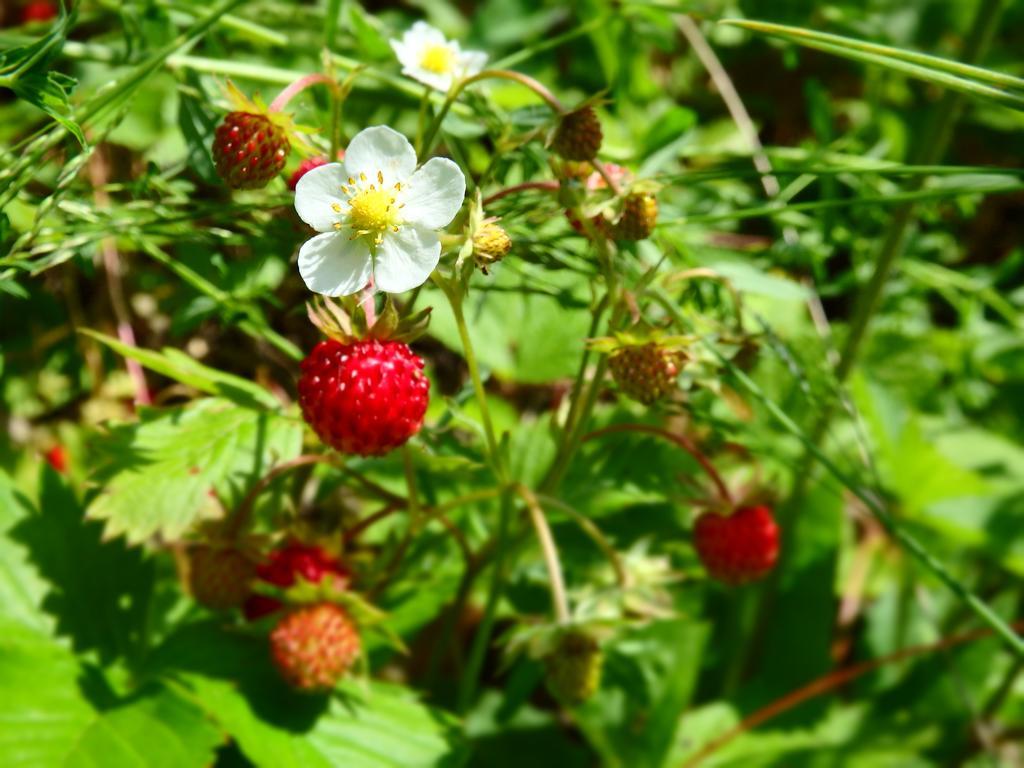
[645, 372]
[57, 457]
[365, 397]
[573, 667]
[38, 11]
[283, 568]
[308, 165]
[249, 150]
[639, 215]
[314, 646]
[220, 577]
[578, 134]
[740, 547]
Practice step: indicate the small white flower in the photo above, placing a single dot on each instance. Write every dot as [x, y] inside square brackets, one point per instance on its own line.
[378, 214]
[426, 55]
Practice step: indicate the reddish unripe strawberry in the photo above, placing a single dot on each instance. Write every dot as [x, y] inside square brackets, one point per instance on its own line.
[283, 568]
[38, 11]
[645, 372]
[594, 181]
[314, 646]
[740, 547]
[364, 397]
[220, 577]
[249, 150]
[57, 457]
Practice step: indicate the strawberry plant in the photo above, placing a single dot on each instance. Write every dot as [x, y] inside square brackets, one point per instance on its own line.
[617, 383]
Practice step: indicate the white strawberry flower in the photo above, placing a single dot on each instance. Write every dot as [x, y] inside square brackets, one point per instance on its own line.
[378, 213]
[426, 55]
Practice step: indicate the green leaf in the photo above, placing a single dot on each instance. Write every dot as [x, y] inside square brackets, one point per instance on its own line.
[367, 724]
[43, 710]
[500, 322]
[176, 365]
[650, 674]
[54, 712]
[159, 729]
[159, 473]
[98, 591]
[21, 588]
[974, 81]
[197, 124]
[24, 71]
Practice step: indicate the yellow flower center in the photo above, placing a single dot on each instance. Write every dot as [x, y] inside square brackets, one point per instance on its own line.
[438, 58]
[372, 210]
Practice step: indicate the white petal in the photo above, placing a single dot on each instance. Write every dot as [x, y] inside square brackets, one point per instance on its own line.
[423, 34]
[434, 194]
[316, 192]
[405, 259]
[471, 62]
[380, 149]
[333, 265]
[439, 80]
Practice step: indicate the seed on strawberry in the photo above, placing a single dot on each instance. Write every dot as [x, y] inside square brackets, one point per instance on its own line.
[645, 372]
[314, 646]
[573, 668]
[249, 150]
[364, 397]
[639, 215]
[285, 565]
[578, 135]
[740, 547]
[491, 244]
[220, 577]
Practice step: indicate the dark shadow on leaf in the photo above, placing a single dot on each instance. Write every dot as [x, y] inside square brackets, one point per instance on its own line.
[100, 590]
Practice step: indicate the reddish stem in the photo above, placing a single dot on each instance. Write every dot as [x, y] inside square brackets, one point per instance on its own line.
[828, 683]
[681, 440]
[292, 90]
[545, 185]
[369, 304]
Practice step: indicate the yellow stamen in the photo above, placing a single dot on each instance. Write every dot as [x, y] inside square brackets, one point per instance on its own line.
[438, 58]
[370, 212]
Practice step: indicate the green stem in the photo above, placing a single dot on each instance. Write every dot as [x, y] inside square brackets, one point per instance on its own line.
[938, 133]
[501, 74]
[482, 639]
[455, 300]
[556, 582]
[595, 534]
[947, 111]
[906, 540]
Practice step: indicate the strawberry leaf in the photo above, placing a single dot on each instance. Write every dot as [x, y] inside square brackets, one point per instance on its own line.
[169, 470]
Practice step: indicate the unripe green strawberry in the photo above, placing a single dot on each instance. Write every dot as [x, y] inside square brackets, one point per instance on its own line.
[220, 577]
[491, 244]
[314, 646]
[573, 668]
[578, 135]
[646, 372]
[639, 215]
